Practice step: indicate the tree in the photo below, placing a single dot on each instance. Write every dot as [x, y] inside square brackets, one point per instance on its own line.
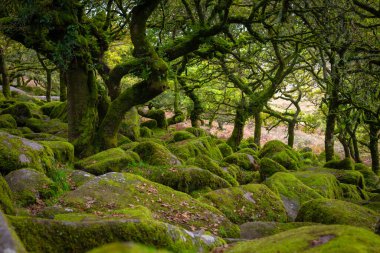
[75, 35]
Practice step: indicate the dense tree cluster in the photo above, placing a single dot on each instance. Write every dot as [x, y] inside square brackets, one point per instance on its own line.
[221, 60]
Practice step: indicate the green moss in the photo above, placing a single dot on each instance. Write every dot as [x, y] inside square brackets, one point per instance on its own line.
[186, 179]
[159, 116]
[146, 132]
[252, 202]
[13, 131]
[372, 181]
[78, 178]
[333, 211]
[6, 197]
[63, 151]
[244, 161]
[192, 148]
[121, 139]
[292, 191]
[42, 235]
[59, 112]
[7, 121]
[281, 153]
[126, 248]
[28, 185]
[54, 126]
[155, 154]
[248, 151]
[259, 229]
[20, 112]
[248, 143]
[225, 149]
[198, 132]
[16, 153]
[43, 137]
[325, 184]
[322, 157]
[9, 241]
[272, 147]
[151, 124]
[114, 191]
[268, 167]
[206, 163]
[346, 176]
[129, 146]
[182, 135]
[320, 238]
[115, 159]
[352, 192]
[345, 164]
[135, 212]
[130, 126]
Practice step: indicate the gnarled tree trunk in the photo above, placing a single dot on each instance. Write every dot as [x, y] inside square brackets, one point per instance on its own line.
[374, 147]
[4, 75]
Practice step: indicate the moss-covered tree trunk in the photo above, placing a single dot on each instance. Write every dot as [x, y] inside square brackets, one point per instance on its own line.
[4, 75]
[82, 112]
[291, 129]
[257, 131]
[142, 92]
[62, 85]
[374, 146]
[48, 85]
[330, 126]
[355, 146]
[239, 123]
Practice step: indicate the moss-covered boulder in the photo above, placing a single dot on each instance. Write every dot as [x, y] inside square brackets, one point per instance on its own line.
[111, 160]
[79, 177]
[43, 235]
[319, 238]
[248, 143]
[49, 126]
[63, 150]
[268, 167]
[28, 185]
[6, 197]
[19, 111]
[225, 149]
[7, 121]
[55, 110]
[43, 137]
[345, 176]
[242, 176]
[345, 164]
[292, 191]
[114, 191]
[151, 124]
[251, 202]
[192, 148]
[146, 132]
[325, 184]
[353, 192]
[259, 229]
[198, 132]
[17, 153]
[281, 153]
[272, 147]
[130, 126]
[9, 241]
[155, 154]
[206, 163]
[119, 247]
[182, 135]
[334, 211]
[244, 161]
[372, 181]
[158, 115]
[248, 151]
[186, 179]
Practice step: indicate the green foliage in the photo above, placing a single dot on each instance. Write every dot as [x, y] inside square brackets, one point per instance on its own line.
[6, 197]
